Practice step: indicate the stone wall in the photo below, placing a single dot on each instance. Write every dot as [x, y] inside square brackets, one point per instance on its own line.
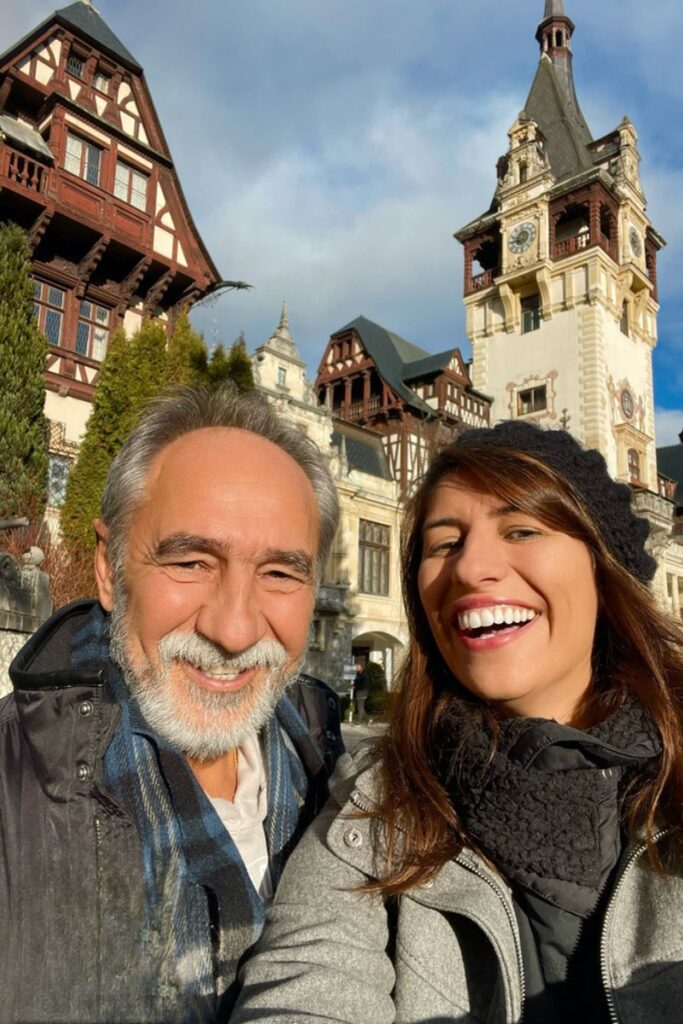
[25, 603]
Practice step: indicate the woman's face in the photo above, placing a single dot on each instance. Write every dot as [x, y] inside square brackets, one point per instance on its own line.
[512, 604]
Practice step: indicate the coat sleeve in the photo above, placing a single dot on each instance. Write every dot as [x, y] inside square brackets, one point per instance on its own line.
[323, 954]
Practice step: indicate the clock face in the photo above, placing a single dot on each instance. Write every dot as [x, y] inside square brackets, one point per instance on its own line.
[635, 242]
[522, 236]
[627, 403]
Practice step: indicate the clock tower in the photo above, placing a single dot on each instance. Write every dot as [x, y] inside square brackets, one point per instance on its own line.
[560, 274]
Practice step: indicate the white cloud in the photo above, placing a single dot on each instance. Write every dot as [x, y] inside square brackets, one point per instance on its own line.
[668, 424]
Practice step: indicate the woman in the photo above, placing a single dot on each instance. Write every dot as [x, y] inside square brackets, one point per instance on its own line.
[515, 850]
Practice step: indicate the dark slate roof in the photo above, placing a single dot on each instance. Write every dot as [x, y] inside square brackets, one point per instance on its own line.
[390, 353]
[553, 9]
[430, 364]
[364, 451]
[670, 463]
[553, 105]
[85, 21]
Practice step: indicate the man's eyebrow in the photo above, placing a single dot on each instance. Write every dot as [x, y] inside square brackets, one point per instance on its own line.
[183, 543]
[299, 560]
[453, 521]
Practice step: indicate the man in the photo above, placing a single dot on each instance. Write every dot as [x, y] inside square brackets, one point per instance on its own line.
[360, 689]
[153, 775]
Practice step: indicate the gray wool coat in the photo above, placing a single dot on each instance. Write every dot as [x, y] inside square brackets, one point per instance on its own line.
[449, 952]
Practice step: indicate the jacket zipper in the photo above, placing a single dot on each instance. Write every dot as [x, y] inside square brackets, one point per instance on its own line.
[98, 862]
[640, 849]
[365, 805]
[513, 925]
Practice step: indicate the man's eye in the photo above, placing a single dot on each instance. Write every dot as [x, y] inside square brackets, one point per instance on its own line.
[189, 565]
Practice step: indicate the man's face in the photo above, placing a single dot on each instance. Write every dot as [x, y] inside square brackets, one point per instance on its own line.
[211, 613]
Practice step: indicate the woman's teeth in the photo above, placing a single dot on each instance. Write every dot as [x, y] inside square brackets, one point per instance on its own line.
[495, 615]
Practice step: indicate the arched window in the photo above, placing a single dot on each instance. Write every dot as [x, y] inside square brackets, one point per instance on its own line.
[633, 466]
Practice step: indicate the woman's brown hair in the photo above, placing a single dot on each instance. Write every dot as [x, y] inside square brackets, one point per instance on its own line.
[638, 651]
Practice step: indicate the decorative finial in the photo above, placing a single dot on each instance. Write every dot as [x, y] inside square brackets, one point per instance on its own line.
[554, 9]
[284, 319]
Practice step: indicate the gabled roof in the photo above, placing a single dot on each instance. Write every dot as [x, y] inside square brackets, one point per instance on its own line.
[390, 353]
[670, 463]
[86, 21]
[430, 364]
[553, 105]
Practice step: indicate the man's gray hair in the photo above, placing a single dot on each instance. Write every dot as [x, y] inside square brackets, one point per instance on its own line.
[186, 409]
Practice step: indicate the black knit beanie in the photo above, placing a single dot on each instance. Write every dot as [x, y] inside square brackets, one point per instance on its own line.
[585, 471]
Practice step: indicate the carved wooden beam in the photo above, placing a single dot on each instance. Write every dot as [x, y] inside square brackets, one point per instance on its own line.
[131, 282]
[39, 227]
[157, 292]
[91, 259]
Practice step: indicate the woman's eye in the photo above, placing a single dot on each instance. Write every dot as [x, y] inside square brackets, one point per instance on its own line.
[446, 546]
[522, 533]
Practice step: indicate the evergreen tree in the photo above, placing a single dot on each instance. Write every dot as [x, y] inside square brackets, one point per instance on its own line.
[23, 354]
[218, 369]
[239, 365]
[134, 370]
[187, 354]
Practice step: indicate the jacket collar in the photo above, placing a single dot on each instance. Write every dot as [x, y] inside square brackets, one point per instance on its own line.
[66, 714]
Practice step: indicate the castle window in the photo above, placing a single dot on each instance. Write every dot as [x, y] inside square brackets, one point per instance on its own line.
[558, 39]
[373, 558]
[102, 83]
[623, 323]
[531, 313]
[523, 172]
[83, 159]
[48, 309]
[281, 376]
[633, 466]
[532, 400]
[75, 65]
[57, 476]
[130, 185]
[93, 331]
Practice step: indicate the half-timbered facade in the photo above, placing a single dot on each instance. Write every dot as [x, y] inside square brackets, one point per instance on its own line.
[86, 170]
[375, 378]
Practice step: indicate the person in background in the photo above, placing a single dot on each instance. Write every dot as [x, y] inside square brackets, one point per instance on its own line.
[154, 773]
[514, 851]
[360, 689]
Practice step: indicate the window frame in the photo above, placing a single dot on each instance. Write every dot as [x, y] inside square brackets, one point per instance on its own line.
[532, 392]
[47, 311]
[130, 192]
[57, 482]
[374, 551]
[530, 309]
[92, 324]
[81, 160]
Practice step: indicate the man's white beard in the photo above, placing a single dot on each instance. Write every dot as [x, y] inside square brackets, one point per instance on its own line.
[203, 724]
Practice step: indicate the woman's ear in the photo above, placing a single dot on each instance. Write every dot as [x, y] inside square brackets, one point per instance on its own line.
[103, 570]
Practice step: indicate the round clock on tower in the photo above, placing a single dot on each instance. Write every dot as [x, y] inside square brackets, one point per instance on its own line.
[522, 236]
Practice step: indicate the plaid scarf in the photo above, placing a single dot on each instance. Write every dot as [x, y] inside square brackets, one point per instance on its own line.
[202, 913]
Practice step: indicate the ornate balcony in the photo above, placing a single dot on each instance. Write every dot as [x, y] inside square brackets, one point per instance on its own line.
[23, 170]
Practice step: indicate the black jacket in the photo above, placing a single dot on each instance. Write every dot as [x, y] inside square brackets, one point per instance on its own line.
[71, 884]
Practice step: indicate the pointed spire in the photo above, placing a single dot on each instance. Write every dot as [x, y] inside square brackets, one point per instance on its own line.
[283, 326]
[555, 31]
[554, 9]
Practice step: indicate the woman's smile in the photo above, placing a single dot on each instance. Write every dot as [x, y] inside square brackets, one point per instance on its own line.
[512, 603]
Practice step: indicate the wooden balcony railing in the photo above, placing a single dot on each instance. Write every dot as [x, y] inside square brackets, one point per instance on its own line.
[569, 246]
[481, 281]
[23, 170]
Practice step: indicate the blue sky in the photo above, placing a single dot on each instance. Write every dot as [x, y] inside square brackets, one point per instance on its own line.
[330, 148]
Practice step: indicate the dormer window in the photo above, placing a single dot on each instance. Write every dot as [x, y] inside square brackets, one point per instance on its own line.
[102, 83]
[75, 65]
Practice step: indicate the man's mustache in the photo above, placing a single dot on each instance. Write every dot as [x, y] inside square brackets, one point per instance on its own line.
[210, 657]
